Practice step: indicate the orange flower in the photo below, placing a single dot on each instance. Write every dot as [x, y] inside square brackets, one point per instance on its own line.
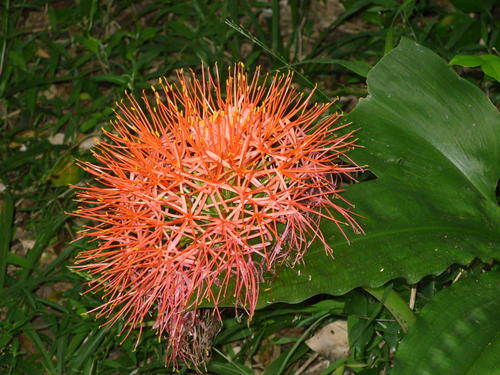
[202, 189]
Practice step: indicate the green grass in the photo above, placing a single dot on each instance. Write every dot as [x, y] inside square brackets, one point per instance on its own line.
[62, 66]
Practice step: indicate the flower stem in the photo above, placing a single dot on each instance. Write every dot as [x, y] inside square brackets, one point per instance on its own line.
[395, 304]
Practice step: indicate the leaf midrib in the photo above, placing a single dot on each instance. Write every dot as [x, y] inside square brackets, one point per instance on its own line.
[454, 229]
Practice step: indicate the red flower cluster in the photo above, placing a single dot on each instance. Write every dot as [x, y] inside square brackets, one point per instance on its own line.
[203, 188]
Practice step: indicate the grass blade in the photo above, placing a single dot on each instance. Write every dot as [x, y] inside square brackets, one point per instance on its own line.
[6, 221]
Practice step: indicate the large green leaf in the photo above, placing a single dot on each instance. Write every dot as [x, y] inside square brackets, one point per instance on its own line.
[433, 141]
[467, 312]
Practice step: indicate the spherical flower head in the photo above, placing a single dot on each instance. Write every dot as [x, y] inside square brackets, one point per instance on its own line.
[203, 187]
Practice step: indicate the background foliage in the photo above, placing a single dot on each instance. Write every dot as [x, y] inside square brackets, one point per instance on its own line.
[430, 202]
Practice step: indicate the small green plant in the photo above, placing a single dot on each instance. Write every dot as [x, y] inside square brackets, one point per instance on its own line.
[489, 64]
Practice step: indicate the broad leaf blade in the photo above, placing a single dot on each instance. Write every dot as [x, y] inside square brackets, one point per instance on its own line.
[421, 120]
[465, 312]
[433, 140]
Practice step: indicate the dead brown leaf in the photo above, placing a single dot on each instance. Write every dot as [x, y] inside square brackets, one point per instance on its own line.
[331, 341]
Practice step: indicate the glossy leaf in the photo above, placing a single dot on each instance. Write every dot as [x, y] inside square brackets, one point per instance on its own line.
[465, 312]
[432, 139]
